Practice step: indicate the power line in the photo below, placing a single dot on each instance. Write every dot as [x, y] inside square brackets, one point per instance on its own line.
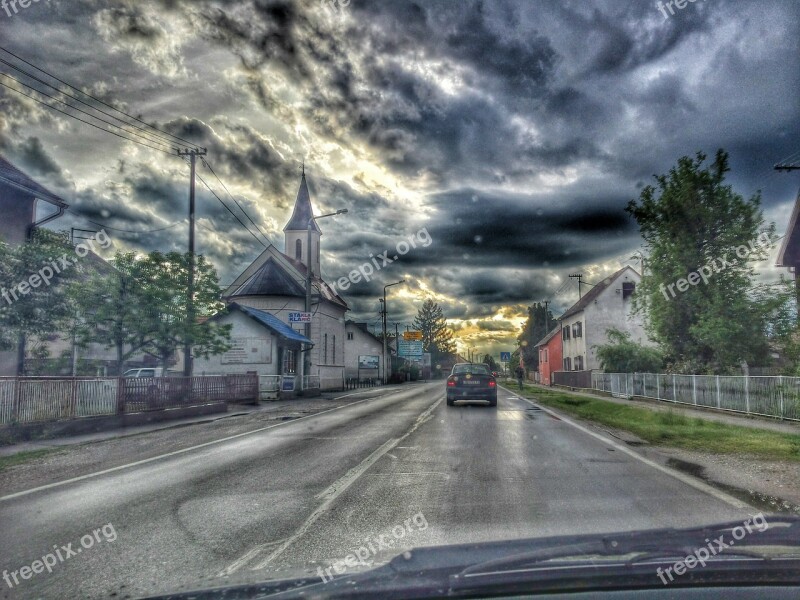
[97, 99]
[235, 216]
[82, 120]
[82, 112]
[205, 162]
[154, 139]
[88, 220]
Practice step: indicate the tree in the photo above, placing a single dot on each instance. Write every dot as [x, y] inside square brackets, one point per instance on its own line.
[540, 321]
[35, 302]
[113, 314]
[163, 280]
[437, 337]
[514, 362]
[621, 355]
[693, 226]
[488, 359]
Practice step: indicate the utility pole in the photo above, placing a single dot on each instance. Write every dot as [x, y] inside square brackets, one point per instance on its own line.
[579, 277]
[192, 153]
[787, 167]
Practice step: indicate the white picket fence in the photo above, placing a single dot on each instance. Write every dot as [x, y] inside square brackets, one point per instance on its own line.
[773, 396]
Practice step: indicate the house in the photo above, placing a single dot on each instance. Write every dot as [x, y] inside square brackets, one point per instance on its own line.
[24, 205]
[260, 343]
[550, 348]
[362, 353]
[607, 305]
[275, 282]
[789, 255]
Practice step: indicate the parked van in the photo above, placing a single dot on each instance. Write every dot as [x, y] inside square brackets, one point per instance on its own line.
[152, 372]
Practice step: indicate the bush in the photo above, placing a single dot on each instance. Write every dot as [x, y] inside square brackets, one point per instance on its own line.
[621, 355]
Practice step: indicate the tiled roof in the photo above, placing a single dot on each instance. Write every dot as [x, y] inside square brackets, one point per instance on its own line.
[13, 176]
[592, 294]
[270, 280]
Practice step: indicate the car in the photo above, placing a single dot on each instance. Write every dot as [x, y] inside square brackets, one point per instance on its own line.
[151, 372]
[471, 381]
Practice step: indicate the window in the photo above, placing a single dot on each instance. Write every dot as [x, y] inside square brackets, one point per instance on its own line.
[628, 287]
[544, 355]
[334, 350]
[577, 329]
[298, 250]
[325, 349]
[567, 364]
[565, 333]
[349, 335]
[579, 363]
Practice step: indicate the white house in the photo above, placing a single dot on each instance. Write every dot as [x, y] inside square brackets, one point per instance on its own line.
[362, 353]
[605, 306]
[275, 282]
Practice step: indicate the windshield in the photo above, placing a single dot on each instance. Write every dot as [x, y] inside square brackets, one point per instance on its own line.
[292, 289]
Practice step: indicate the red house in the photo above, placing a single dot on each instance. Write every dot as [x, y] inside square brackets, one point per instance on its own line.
[549, 355]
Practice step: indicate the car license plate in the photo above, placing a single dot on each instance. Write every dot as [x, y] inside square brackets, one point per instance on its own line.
[472, 382]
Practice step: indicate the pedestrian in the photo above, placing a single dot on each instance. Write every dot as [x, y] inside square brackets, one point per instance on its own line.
[520, 373]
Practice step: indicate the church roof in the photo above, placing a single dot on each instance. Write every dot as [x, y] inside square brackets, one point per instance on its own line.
[302, 210]
[269, 280]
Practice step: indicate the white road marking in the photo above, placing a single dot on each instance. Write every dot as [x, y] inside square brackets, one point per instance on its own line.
[699, 485]
[183, 450]
[339, 486]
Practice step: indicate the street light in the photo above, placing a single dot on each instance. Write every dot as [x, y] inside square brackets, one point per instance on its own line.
[385, 313]
[307, 358]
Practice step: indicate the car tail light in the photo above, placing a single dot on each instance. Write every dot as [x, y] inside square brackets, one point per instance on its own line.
[451, 381]
[492, 383]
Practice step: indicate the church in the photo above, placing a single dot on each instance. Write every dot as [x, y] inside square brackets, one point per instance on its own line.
[273, 286]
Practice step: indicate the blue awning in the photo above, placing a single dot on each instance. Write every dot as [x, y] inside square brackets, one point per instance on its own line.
[274, 323]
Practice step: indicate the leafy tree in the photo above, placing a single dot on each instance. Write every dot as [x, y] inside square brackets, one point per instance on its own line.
[621, 355]
[535, 328]
[163, 280]
[691, 222]
[34, 301]
[514, 362]
[437, 337]
[113, 314]
[488, 359]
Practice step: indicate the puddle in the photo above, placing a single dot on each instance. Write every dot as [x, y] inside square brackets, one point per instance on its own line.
[757, 499]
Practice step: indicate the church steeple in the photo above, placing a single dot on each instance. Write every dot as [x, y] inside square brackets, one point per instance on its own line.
[296, 230]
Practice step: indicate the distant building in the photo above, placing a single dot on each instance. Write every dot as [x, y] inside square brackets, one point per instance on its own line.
[607, 305]
[275, 283]
[362, 353]
[550, 348]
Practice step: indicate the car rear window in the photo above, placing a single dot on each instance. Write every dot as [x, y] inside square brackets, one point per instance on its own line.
[476, 369]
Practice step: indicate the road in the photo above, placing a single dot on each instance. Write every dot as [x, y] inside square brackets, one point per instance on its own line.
[393, 470]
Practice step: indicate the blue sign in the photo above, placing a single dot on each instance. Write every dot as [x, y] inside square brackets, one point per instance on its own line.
[299, 317]
[505, 357]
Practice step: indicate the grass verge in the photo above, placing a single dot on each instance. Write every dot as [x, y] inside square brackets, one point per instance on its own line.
[22, 457]
[669, 428]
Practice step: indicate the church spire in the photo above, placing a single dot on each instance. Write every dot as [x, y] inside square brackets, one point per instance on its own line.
[296, 231]
[302, 209]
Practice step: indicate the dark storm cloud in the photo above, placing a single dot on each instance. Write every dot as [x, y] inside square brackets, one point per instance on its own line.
[552, 115]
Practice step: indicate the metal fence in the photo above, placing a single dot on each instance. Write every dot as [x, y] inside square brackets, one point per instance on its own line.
[35, 399]
[772, 396]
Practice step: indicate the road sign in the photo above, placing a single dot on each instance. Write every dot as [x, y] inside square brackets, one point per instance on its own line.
[412, 336]
[412, 349]
[299, 317]
[505, 357]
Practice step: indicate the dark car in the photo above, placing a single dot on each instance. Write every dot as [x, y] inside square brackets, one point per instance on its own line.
[471, 381]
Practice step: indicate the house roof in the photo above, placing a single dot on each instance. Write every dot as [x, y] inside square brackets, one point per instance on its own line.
[13, 176]
[272, 322]
[593, 293]
[364, 328]
[269, 280]
[302, 210]
[549, 336]
[789, 255]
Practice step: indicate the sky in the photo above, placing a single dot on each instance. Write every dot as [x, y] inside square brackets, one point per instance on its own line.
[512, 132]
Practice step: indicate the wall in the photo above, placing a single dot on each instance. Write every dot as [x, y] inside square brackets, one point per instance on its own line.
[243, 327]
[610, 310]
[362, 343]
[17, 209]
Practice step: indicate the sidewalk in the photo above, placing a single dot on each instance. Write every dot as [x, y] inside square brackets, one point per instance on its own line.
[719, 416]
[234, 410]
